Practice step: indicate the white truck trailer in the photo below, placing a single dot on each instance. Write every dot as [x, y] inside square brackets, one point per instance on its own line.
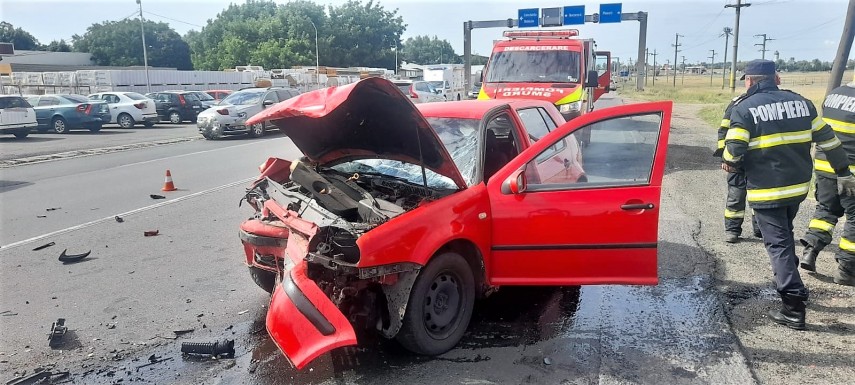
[449, 78]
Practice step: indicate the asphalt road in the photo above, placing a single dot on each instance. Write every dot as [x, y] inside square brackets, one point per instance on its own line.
[123, 303]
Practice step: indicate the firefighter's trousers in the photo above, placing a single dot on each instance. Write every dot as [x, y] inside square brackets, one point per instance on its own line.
[829, 208]
[734, 209]
[776, 225]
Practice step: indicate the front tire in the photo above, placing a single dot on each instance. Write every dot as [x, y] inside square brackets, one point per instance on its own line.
[440, 306]
[60, 126]
[95, 128]
[148, 124]
[21, 134]
[257, 130]
[125, 120]
[263, 278]
[174, 117]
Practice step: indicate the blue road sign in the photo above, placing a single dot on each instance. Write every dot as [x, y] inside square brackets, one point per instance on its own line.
[528, 18]
[610, 13]
[574, 15]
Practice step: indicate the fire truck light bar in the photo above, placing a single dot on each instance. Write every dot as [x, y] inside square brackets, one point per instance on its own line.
[555, 33]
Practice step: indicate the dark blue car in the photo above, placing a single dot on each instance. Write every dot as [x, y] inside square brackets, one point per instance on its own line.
[62, 113]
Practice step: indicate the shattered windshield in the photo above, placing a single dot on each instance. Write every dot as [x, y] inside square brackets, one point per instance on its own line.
[534, 67]
[458, 136]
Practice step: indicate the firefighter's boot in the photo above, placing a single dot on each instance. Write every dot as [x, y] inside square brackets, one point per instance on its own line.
[842, 277]
[808, 261]
[792, 312]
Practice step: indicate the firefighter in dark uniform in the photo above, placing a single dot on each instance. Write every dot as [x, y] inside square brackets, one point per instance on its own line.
[838, 110]
[734, 209]
[770, 137]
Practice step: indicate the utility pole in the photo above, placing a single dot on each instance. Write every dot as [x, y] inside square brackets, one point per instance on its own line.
[683, 77]
[646, 65]
[668, 67]
[843, 49]
[654, 66]
[726, 32]
[738, 7]
[676, 45]
[144, 50]
[712, 60]
[763, 50]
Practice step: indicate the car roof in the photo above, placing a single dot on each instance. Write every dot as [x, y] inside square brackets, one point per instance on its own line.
[474, 109]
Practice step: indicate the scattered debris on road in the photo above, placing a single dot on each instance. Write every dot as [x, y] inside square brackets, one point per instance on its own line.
[219, 348]
[155, 196]
[7, 312]
[547, 361]
[242, 312]
[151, 233]
[183, 331]
[119, 219]
[72, 258]
[153, 359]
[41, 216]
[57, 331]
[45, 246]
[39, 376]
[53, 208]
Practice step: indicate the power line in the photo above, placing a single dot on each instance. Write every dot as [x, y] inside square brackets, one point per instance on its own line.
[797, 33]
[169, 18]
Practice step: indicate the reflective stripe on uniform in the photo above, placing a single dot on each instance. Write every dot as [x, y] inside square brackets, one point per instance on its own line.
[738, 134]
[729, 158]
[841, 126]
[773, 140]
[847, 245]
[829, 144]
[823, 165]
[816, 124]
[733, 214]
[725, 123]
[721, 143]
[776, 193]
[820, 224]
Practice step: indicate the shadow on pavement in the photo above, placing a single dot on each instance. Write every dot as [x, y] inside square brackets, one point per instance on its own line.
[9, 185]
[30, 138]
[689, 158]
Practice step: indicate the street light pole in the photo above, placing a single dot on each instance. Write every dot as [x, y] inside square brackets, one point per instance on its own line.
[317, 55]
[144, 50]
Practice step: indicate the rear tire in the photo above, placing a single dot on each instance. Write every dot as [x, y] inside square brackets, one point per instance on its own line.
[148, 124]
[440, 306]
[60, 126]
[174, 117]
[125, 120]
[263, 278]
[21, 134]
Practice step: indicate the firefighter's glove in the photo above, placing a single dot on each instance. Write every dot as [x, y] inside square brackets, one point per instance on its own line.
[846, 185]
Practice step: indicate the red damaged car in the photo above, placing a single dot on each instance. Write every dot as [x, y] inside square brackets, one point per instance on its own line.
[398, 218]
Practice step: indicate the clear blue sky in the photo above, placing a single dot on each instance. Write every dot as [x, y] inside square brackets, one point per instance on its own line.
[804, 29]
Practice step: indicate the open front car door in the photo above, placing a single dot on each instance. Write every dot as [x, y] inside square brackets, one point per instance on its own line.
[552, 228]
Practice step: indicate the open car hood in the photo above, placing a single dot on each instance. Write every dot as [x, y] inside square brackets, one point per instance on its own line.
[369, 119]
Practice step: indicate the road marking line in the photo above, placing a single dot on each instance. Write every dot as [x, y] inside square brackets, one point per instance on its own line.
[127, 213]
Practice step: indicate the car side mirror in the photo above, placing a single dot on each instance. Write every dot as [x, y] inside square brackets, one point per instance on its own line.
[593, 79]
[516, 183]
[267, 103]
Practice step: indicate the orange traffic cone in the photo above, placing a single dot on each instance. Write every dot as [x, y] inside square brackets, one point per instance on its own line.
[168, 185]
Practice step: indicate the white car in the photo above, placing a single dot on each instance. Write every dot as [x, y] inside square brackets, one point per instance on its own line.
[17, 117]
[419, 91]
[229, 117]
[129, 108]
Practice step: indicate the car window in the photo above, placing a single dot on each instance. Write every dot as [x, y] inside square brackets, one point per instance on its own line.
[95, 97]
[286, 94]
[620, 153]
[48, 101]
[203, 96]
[404, 87]
[135, 96]
[271, 95]
[460, 140]
[75, 98]
[110, 98]
[191, 97]
[548, 119]
[244, 97]
[421, 86]
[33, 100]
[16, 102]
[533, 122]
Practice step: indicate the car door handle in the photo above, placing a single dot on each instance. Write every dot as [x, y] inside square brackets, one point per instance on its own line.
[637, 206]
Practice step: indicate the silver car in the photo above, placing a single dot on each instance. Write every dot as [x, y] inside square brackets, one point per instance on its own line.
[419, 91]
[229, 117]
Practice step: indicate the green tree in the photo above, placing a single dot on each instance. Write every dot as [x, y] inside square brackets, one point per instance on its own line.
[21, 39]
[58, 46]
[260, 33]
[429, 50]
[363, 35]
[119, 43]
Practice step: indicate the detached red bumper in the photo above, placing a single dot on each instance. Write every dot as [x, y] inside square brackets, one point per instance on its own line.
[303, 322]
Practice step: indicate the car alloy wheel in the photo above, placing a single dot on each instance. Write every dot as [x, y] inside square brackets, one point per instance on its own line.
[126, 121]
[256, 130]
[174, 117]
[59, 126]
